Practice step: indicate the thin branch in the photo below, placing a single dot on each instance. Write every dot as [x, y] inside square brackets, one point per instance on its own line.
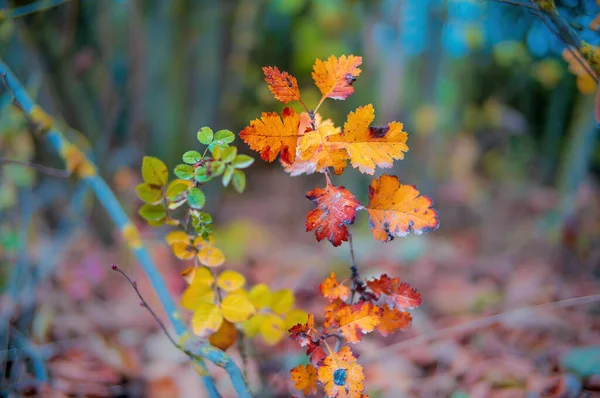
[477, 324]
[353, 268]
[144, 304]
[109, 201]
[50, 171]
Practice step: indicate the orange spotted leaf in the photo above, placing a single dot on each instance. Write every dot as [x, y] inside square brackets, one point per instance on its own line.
[341, 375]
[369, 147]
[393, 320]
[305, 378]
[396, 209]
[335, 76]
[393, 293]
[330, 313]
[272, 135]
[283, 85]
[336, 208]
[331, 289]
[355, 320]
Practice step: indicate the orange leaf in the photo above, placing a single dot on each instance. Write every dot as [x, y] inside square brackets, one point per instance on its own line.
[330, 310]
[336, 208]
[341, 375]
[358, 319]
[393, 320]
[305, 379]
[370, 147]
[335, 76]
[393, 293]
[396, 210]
[313, 147]
[331, 289]
[225, 336]
[283, 85]
[303, 333]
[272, 136]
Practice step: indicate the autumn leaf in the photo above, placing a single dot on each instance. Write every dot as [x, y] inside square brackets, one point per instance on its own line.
[230, 280]
[331, 289]
[341, 375]
[336, 208]
[208, 316]
[281, 301]
[271, 135]
[330, 311]
[236, 308]
[393, 320]
[283, 85]
[225, 336]
[315, 149]
[304, 333]
[355, 320]
[305, 379]
[393, 293]
[335, 77]
[396, 210]
[369, 147]
[272, 328]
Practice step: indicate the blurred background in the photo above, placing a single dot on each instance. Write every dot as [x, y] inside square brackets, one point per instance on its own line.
[501, 134]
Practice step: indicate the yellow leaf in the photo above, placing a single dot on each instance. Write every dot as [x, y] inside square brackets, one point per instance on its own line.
[199, 241]
[183, 250]
[313, 147]
[188, 274]
[236, 308]
[230, 280]
[282, 301]
[177, 237]
[154, 171]
[211, 256]
[195, 294]
[294, 317]
[203, 276]
[251, 327]
[241, 291]
[225, 336]
[370, 147]
[272, 328]
[207, 317]
[260, 295]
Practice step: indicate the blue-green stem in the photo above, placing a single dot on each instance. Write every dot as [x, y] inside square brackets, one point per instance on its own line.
[108, 200]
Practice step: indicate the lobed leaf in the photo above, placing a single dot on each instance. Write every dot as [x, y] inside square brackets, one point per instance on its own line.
[396, 210]
[283, 85]
[271, 135]
[335, 76]
[336, 208]
[305, 379]
[341, 375]
[332, 290]
[370, 147]
[394, 293]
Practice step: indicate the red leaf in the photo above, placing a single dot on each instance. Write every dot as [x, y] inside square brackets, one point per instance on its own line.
[393, 293]
[336, 208]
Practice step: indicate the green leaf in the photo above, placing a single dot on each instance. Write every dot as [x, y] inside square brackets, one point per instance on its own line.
[223, 137]
[228, 154]
[184, 171]
[239, 181]
[196, 198]
[176, 188]
[201, 174]
[242, 161]
[205, 217]
[149, 193]
[216, 152]
[153, 212]
[192, 157]
[205, 135]
[227, 175]
[176, 205]
[217, 168]
[154, 171]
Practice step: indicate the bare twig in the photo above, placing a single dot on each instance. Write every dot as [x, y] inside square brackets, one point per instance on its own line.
[145, 304]
[50, 171]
